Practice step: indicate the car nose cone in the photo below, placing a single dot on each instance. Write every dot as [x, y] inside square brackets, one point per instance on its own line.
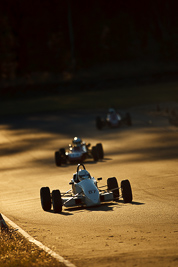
[91, 192]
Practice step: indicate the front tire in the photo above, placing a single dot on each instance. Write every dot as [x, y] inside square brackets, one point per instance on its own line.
[113, 186]
[126, 191]
[45, 198]
[58, 159]
[128, 119]
[99, 123]
[100, 150]
[57, 201]
[94, 153]
[62, 151]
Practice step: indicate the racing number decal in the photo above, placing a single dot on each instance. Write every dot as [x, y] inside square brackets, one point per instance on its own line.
[91, 191]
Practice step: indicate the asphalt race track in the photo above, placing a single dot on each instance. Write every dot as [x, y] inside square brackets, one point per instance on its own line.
[144, 233]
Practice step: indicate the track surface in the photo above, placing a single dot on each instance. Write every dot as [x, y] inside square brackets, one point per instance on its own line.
[115, 234]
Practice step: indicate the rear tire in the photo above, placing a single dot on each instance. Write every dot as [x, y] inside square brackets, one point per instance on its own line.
[100, 150]
[57, 201]
[94, 153]
[99, 123]
[45, 198]
[58, 159]
[126, 191]
[128, 119]
[113, 186]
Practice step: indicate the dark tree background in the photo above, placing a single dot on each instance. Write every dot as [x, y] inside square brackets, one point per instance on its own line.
[56, 35]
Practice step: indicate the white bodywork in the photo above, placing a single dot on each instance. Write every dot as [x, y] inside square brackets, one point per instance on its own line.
[76, 152]
[86, 193]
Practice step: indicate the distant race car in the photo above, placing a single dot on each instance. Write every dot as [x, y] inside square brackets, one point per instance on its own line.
[85, 192]
[113, 120]
[78, 152]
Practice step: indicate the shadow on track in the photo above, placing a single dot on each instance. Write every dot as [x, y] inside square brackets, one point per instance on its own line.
[33, 131]
[132, 203]
[103, 207]
[71, 211]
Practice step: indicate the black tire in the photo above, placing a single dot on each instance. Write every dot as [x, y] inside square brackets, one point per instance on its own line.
[128, 119]
[100, 151]
[113, 186]
[58, 159]
[126, 191]
[94, 153]
[99, 123]
[57, 201]
[45, 198]
[62, 151]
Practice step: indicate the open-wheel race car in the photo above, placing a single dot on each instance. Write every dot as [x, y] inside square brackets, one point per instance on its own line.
[77, 152]
[113, 120]
[85, 192]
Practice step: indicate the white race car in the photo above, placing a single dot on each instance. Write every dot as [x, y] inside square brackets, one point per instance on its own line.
[113, 120]
[78, 152]
[85, 192]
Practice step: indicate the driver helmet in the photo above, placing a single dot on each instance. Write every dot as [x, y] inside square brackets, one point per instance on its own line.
[83, 174]
[77, 141]
[111, 111]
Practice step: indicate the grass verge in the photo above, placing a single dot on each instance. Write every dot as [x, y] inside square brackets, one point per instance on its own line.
[16, 251]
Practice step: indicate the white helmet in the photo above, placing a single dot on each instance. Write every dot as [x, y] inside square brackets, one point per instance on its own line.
[77, 141]
[83, 174]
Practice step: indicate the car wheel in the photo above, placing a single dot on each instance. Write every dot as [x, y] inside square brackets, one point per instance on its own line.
[128, 119]
[58, 158]
[94, 153]
[45, 198]
[57, 201]
[126, 191]
[113, 186]
[100, 150]
[99, 123]
[62, 151]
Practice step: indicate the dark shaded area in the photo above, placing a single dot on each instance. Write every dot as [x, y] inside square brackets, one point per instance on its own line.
[103, 207]
[42, 39]
[164, 146]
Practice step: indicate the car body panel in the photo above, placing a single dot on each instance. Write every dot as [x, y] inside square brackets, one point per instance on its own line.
[90, 191]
